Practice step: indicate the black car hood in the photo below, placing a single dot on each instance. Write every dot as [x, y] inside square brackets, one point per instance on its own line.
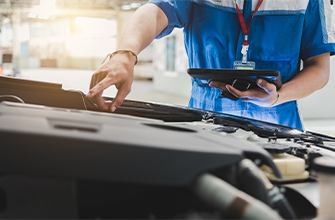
[52, 94]
[62, 133]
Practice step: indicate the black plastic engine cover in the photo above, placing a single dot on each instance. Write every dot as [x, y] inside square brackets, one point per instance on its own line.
[99, 146]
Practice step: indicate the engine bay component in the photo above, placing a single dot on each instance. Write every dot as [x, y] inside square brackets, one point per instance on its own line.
[276, 148]
[291, 167]
[255, 183]
[229, 200]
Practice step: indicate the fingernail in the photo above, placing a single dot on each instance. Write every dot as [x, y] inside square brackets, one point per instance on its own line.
[113, 108]
[260, 81]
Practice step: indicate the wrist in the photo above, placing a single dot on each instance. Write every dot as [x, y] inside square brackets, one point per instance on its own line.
[128, 53]
[129, 44]
[276, 100]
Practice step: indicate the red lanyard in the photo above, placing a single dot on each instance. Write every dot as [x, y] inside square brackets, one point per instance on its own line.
[242, 21]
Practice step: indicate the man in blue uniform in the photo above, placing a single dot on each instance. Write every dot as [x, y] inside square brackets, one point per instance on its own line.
[277, 35]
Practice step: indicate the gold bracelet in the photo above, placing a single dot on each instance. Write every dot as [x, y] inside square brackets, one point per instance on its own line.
[110, 55]
[276, 100]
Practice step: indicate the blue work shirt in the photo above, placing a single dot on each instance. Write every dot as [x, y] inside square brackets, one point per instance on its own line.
[282, 33]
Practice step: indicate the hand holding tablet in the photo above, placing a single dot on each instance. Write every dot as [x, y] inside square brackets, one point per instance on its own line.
[239, 79]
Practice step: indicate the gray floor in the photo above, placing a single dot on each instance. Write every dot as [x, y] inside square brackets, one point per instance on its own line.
[141, 90]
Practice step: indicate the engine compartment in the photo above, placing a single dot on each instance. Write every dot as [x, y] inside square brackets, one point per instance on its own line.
[62, 157]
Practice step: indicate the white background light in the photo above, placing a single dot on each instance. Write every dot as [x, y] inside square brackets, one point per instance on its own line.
[32, 15]
[46, 8]
[6, 21]
[126, 7]
[135, 5]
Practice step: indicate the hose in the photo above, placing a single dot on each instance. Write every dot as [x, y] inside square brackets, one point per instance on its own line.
[229, 200]
[253, 181]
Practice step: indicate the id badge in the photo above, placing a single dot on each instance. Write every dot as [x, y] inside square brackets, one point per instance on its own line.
[239, 65]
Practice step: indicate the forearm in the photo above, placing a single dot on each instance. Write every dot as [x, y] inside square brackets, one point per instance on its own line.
[313, 77]
[143, 27]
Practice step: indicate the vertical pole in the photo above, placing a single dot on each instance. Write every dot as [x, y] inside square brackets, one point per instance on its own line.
[16, 22]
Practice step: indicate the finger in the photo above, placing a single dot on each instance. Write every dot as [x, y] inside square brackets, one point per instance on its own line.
[268, 87]
[235, 92]
[248, 93]
[96, 78]
[100, 87]
[101, 103]
[93, 80]
[119, 98]
[218, 85]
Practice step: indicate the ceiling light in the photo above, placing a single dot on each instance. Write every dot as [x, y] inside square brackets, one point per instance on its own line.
[126, 7]
[135, 5]
[6, 20]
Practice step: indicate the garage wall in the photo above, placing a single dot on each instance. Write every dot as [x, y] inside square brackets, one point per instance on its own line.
[321, 104]
[176, 82]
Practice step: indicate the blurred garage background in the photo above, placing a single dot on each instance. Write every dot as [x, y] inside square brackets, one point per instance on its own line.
[65, 41]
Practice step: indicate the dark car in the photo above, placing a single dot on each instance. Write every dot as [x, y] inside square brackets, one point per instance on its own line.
[63, 157]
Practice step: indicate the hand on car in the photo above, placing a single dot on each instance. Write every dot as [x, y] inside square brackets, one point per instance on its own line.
[264, 96]
[119, 72]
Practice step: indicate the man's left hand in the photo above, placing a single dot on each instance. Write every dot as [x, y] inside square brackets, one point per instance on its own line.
[266, 95]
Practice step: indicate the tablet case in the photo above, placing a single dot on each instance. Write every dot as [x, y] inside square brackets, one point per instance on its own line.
[239, 79]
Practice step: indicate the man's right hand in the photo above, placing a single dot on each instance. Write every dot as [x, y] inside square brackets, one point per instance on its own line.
[142, 28]
[117, 71]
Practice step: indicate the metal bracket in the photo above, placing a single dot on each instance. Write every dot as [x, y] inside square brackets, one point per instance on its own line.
[273, 139]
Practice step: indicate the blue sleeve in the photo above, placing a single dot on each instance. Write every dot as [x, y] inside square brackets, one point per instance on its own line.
[177, 12]
[318, 35]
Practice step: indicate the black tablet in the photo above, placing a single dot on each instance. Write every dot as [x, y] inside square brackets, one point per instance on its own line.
[240, 79]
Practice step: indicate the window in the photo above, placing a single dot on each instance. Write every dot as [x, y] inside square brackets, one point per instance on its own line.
[170, 53]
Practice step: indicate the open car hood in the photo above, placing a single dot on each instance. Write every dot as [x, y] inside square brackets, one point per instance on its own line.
[46, 131]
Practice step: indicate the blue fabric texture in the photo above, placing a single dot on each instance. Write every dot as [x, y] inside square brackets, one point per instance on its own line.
[278, 40]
